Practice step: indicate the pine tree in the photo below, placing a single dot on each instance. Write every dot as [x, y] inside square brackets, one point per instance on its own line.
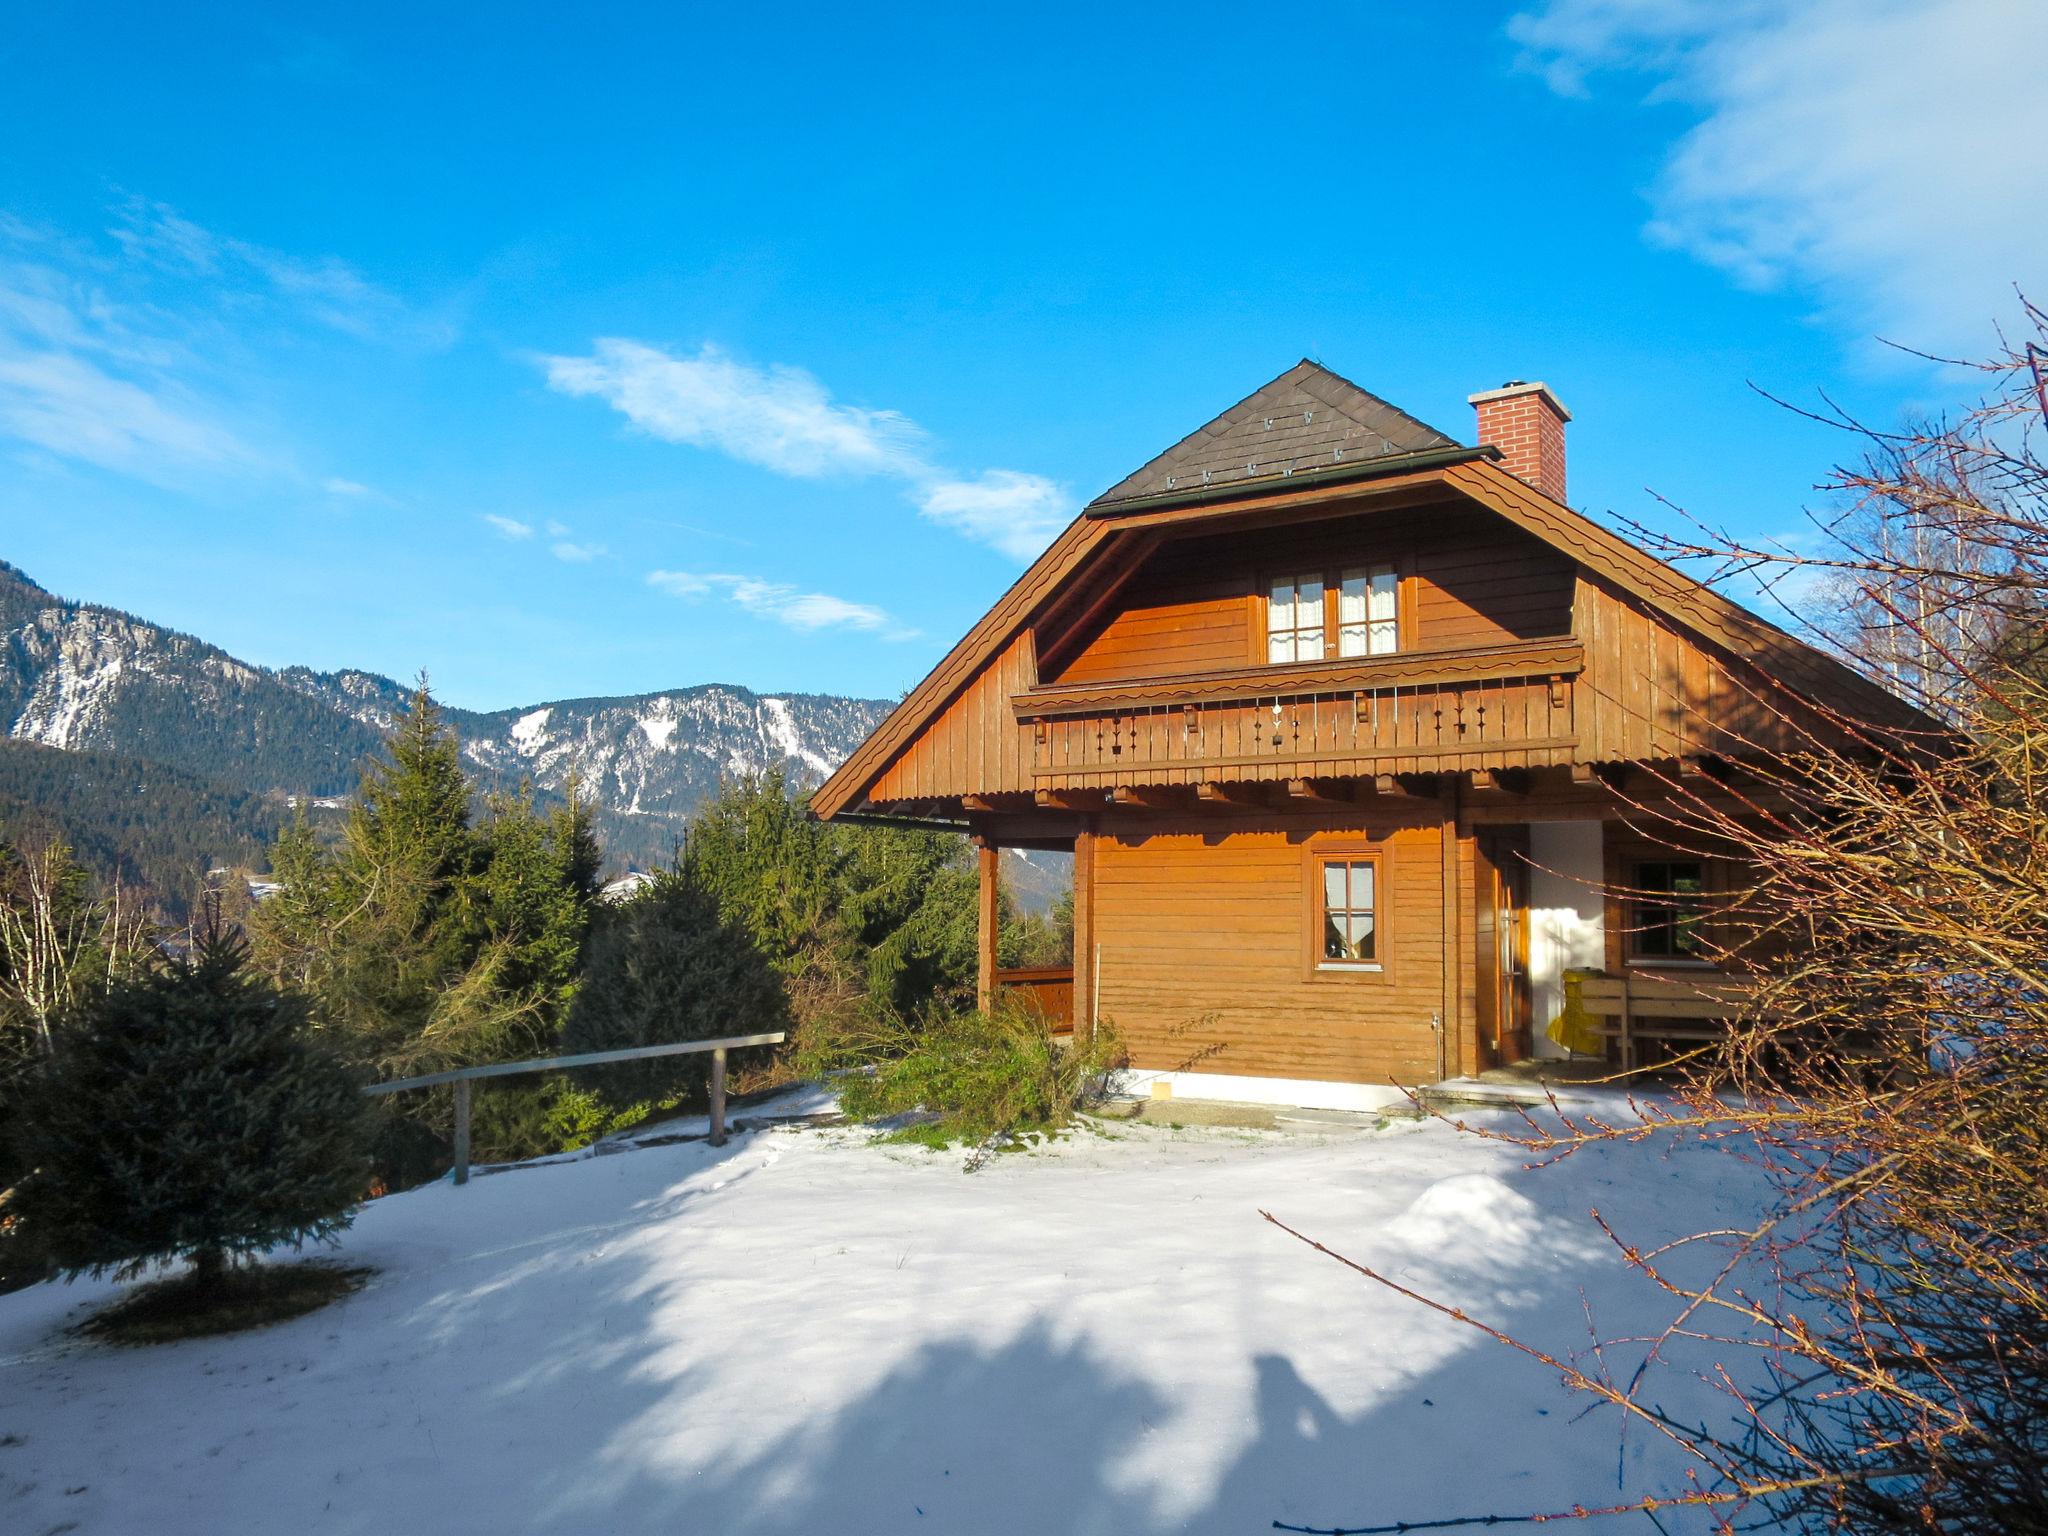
[895, 909]
[426, 938]
[664, 965]
[188, 1112]
[431, 937]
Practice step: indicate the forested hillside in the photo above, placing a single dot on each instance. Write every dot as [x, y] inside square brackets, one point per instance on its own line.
[135, 822]
[84, 677]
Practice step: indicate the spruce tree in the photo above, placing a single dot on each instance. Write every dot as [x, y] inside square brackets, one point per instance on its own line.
[431, 937]
[188, 1112]
[664, 965]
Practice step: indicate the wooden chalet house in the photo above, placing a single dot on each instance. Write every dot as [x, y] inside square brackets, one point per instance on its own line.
[1334, 712]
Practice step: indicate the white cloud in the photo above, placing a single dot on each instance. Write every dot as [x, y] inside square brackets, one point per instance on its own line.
[1875, 153]
[1016, 512]
[509, 527]
[779, 418]
[143, 354]
[808, 612]
[784, 420]
[577, 554]
[72, 407]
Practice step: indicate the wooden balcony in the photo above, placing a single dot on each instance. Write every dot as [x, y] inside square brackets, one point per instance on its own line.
[1508, 706]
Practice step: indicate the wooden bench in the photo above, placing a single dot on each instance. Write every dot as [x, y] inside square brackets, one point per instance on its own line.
[1660, 1007]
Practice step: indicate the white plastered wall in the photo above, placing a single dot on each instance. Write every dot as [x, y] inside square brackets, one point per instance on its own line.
[1567, 916]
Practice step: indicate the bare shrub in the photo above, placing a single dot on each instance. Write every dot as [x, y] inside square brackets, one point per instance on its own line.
[1881, 1335]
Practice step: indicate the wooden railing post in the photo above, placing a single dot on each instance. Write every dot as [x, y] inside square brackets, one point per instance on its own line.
[462, 1130]
[460, 1079]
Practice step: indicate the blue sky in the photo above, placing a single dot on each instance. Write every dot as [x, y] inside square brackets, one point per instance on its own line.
[599, 349]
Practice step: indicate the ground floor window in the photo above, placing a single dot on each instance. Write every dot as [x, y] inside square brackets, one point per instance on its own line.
[1667, 910]
[1349, 911]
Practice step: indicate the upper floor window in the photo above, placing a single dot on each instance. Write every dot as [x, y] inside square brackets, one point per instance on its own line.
[1368, 619]
[1309, 616]
[1295, 621]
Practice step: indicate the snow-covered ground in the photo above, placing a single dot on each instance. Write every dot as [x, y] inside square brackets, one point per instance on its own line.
[806, 1331]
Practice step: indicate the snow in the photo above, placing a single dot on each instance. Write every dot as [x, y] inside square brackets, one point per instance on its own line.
[625, 886]
[787, 740]
[530, 731]
[67, 695]
[810, 1331]
[658, 730]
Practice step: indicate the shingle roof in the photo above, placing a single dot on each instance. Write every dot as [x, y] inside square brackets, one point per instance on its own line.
[1308, 418]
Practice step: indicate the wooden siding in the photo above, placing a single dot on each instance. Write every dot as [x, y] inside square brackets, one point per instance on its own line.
[1650, 693]
[1179, 614]
[975, 746]
[1468, 578]
[1199, 935]
[1090, 550]
[1632, 689]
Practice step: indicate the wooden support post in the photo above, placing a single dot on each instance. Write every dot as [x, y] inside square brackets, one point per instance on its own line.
[718, 1097]
[990, 871]
[1452, 932]
[462, 1130]
[1084, 934]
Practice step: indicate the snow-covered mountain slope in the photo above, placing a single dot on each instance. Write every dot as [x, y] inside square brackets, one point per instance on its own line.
[79, 676]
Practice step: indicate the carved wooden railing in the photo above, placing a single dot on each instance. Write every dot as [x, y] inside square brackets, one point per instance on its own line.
[1509, 706]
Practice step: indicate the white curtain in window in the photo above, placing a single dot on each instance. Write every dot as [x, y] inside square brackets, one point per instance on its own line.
[1367, 614]
[1294, 619]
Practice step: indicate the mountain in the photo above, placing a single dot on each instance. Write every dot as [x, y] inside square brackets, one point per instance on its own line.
[83, 677]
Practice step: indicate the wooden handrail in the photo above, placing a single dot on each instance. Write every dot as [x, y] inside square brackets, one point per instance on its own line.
[462, 1077]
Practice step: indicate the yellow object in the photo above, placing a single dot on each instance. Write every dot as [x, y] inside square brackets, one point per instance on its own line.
[1161, 1090]
[1573, 1028]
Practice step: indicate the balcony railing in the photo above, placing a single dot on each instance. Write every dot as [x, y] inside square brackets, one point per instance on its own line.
[1492, 707]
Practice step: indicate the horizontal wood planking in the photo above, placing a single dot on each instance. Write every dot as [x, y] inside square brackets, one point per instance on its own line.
[1199, 929]
[1471, 579]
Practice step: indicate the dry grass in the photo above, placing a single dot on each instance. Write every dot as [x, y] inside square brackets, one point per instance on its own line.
[253, 1297]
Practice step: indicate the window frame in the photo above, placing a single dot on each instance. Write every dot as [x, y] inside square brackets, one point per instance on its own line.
[1317, 854]
[1635, 903]
[1295, 579]
[1331, 573]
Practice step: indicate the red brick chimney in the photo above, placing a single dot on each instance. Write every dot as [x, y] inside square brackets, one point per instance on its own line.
[1526, 422]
